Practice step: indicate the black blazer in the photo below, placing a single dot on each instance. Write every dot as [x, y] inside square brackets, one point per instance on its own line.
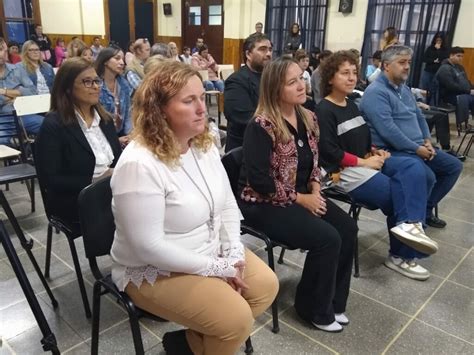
[65, 163]
[240, 103]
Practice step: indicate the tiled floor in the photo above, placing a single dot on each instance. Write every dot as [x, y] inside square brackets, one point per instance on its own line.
[389, 314]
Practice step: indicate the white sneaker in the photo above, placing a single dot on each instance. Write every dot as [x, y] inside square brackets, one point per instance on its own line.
[334, 327]
[408, 268]
[413, 235]
[341, 318]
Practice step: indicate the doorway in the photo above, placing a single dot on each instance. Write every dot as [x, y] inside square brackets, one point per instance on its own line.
[204, 19]
[144, 23]
[119, 22]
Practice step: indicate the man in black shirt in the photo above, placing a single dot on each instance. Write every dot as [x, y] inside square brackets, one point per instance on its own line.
[242, 88]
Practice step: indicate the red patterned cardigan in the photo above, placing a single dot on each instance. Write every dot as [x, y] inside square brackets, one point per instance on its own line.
[283, 166]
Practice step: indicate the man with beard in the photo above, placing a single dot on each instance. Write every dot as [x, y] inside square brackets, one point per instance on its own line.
[242, 88]
[397, 125]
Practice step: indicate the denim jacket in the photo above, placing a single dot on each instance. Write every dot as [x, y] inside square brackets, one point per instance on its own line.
[16, 79]
[45, 69]
[107, 100]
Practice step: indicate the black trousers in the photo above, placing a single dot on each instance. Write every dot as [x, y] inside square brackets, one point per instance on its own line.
[325, 281]
[440, 121]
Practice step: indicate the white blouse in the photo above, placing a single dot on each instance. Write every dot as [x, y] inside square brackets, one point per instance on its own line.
[100, 146]
[161, 217]
[41, 85]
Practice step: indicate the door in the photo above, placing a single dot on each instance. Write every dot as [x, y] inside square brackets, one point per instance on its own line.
[204, 19]
[119, 22]
[144, 24]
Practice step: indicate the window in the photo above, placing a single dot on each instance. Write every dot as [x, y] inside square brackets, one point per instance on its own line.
[20, 16]
[309, 14]
[215, 15]
[417, 21]
[195, 16]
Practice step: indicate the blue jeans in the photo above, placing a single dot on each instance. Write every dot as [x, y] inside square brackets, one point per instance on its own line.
[442, 173]
[214, 85]
[32, 124]
[398, 193]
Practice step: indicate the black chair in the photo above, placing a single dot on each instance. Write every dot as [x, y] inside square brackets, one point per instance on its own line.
[71, 232]
[17, 167]
[232, 162]
[98, 229]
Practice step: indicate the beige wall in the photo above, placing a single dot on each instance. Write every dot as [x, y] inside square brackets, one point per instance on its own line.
[169, 25]
[344, 31]
[464, 33]
[241, 16]
[73, 16]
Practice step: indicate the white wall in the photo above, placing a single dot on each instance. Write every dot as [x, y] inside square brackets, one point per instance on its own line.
[169, 25]
[344, 31]
[464, 33]
[240, 17]
[73, 16]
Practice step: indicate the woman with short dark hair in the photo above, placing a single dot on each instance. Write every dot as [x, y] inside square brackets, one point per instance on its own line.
[203, 60]
[77, 142]
[293, 40]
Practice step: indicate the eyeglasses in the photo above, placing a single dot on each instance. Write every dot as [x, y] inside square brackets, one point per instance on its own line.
[33, 50]
[89, 82]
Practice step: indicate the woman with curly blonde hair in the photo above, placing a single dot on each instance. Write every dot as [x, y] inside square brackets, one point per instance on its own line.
[177, 248]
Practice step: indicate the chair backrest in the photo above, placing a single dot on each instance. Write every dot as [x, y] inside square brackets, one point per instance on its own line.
[97, 220]
[232, 162]
[11, 133]
[225, 73]
[204, 74]
[30, 105]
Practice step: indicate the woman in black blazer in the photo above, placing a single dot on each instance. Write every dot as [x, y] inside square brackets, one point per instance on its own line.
[77, 142]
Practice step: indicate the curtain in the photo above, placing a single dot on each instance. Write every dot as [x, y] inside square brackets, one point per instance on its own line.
[309, 14]
[417, 21]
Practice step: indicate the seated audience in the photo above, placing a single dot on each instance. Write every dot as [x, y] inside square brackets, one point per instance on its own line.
[258, 28]
[77, 143]
[4, 46]
[454, 84]
[39, 72]
[199, 44]
[186, 56]
[160, 49]
[86, 53]
[14, 53]
[293, 40]
[174, 51]
[15, 82]
[316, 77]
[193, 271]
[371, 176]
[129, 55]
[281, 195]
[44, 45]
[373, 70]
[397, 125]
[96, 47]
[74, 47]
[303, 61]
[202, 60]
[115, 91]
[60, 52]
[135, 72]
[242, 88]
[434, 55]
[389, 38]
[314, 59]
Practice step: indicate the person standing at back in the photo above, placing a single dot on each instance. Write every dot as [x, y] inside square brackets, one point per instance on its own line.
[242, 88]
[44, 44]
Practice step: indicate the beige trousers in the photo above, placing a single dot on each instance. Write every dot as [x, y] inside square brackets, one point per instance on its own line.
[219, 319]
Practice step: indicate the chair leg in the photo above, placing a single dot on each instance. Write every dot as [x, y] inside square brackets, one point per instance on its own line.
[462, 141]
[95, 318]
[49, 241]
[436, 211]
[356, 257]
[80, 280]
[248, 346]
[135, 327]
[282, 255]
[271, 263]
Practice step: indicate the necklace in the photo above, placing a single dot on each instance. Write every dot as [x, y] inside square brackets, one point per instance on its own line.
[210, 222]
[300, 143]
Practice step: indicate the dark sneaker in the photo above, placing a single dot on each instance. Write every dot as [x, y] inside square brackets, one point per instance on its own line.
[435, 222]
[453, 153]
[175, 343]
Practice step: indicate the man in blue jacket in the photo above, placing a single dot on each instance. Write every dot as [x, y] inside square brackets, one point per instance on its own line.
[397, 124]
